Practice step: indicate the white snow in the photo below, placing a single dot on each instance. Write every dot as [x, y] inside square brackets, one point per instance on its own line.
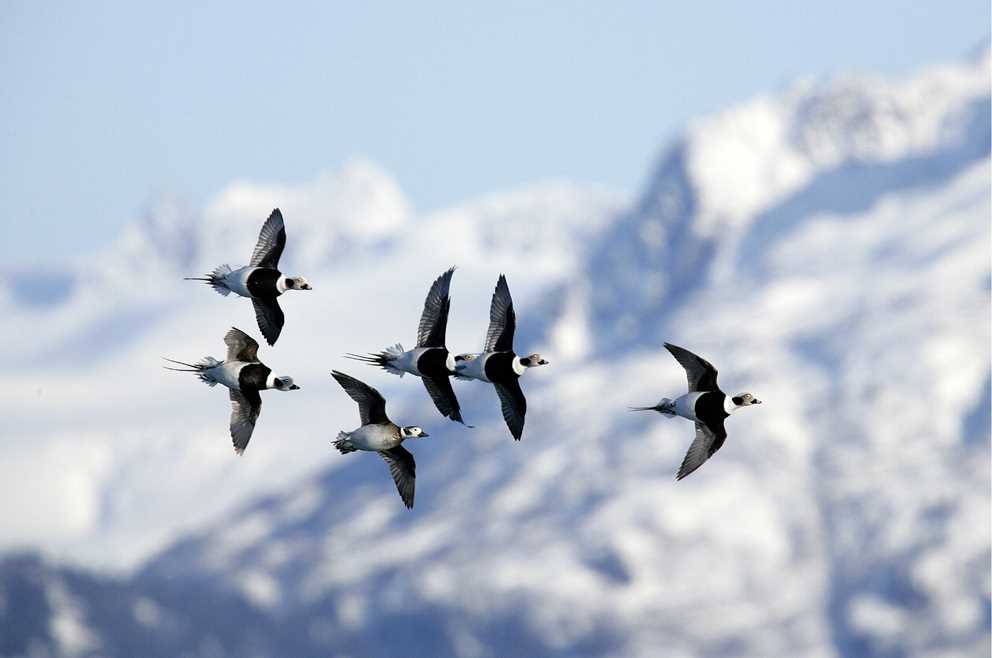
[834, 242]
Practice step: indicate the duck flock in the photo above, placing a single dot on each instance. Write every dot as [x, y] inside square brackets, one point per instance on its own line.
[245, 376]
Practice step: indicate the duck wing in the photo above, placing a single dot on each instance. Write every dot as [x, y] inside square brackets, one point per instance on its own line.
[271, 242]
[434, 320]
[371, 404]
[708, 440]
[245, 407]
[270, 318]
[240, 346]
[439, 388]
[404, 472]
[700, 372]
[514, 405]
[502, 319]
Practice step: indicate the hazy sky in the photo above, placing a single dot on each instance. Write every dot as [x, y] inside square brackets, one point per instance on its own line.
[105, 104]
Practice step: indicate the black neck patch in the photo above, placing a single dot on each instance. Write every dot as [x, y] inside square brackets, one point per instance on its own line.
[709, 408]
[434, 362]
[262, 283]
[253, 376]
[499, 367]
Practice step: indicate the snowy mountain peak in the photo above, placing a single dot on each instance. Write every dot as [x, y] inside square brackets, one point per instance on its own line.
[827, 247]
[752, 155]
[740, 179]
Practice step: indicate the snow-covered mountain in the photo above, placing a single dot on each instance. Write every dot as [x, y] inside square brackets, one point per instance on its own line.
[827, 246]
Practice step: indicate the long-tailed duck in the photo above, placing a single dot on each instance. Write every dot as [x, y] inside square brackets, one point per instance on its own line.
[379, 434]
[705, 404]
[245, 376]
[260, 280]
[430, 359]
[498, 364]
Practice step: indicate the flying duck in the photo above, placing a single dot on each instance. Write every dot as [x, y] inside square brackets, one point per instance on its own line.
[245, 376]
[261, 279]
[498, 364]
[430, 359]
[705, 404]
[379, 434]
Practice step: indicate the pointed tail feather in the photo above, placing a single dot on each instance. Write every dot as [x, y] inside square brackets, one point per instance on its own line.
[215, 279]
[665, 407]
[201, 368]
[383, 359]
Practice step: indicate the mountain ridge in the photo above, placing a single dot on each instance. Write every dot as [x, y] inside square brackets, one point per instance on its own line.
[842, 518]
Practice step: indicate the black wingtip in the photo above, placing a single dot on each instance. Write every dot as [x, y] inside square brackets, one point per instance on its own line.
[457, 417]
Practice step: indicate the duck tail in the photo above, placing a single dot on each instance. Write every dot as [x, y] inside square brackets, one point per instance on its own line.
[664, 407]
[201, 368]
[343, 443]
[217, 279]
[383, 359]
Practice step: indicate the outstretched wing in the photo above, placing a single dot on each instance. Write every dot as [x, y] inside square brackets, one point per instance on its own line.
[404, 472]
[708, 441]
[700, 372]
[270, 318]
[240, 346]
[434, 320]
[444, 398]
[371, 404]
[514, 406]
[245, 407]
[502, 319]
[271, 242]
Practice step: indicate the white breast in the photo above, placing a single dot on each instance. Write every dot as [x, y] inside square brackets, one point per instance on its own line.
[237, 280]
[374, 438]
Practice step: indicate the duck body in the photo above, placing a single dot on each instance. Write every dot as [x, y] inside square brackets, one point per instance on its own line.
[380, 435]
[708, 407]
[420, 361]
[239, 375]
[491, 367]
[244, 376]
[260, 280]
[705, 405]
[374, 438]
[256, 282]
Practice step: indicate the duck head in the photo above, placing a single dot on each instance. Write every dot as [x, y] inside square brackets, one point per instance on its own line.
[413, 432]
[533, 361]
[744, 400]
[284, 383]
[296, 283]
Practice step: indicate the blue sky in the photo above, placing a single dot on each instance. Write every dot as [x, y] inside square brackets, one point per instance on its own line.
[105, 104]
